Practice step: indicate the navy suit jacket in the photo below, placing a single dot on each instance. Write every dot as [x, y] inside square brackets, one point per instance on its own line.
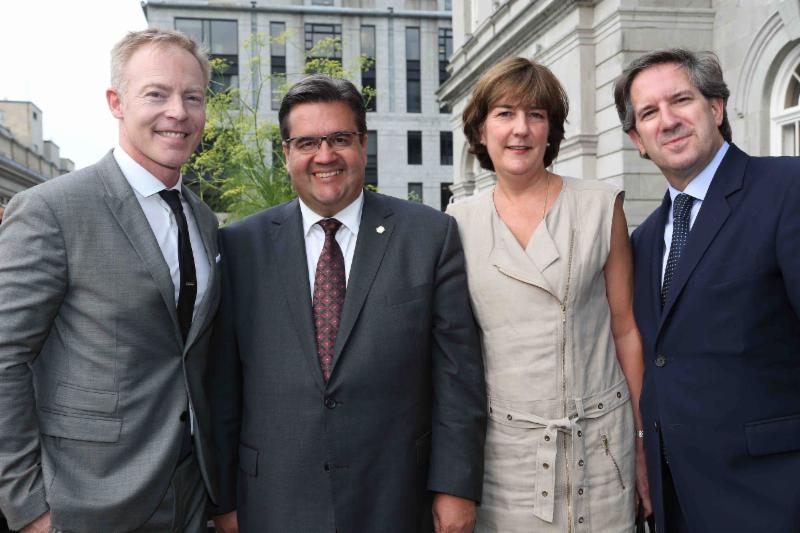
[722, 359]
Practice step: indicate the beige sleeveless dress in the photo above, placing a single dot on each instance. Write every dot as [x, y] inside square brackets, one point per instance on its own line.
[560, 439]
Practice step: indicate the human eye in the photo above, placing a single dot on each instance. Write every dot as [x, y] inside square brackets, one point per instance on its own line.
[195, 98]
[341, 139]
[155, 94]
[306, 143]
[537, 114]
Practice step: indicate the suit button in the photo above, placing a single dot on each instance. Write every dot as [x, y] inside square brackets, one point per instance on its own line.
[661, 361]
[327, 467]
[330, 403]
[184, 416]
[655, 427]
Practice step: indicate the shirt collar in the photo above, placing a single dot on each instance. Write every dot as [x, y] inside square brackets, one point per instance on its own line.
[350, 216]
[698, 187]
[142, 181]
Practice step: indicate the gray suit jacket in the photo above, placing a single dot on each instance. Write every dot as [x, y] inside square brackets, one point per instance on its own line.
[93, 369]
[404, 411]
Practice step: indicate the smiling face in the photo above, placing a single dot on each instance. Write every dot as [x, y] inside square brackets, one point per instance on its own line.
[161, 110]
[327, 181]
[516, 139]
[676, 126]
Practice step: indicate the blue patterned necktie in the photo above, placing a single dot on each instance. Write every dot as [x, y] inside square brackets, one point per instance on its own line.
[681, 214]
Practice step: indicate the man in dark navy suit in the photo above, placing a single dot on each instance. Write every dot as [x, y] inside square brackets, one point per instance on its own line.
[717, 299]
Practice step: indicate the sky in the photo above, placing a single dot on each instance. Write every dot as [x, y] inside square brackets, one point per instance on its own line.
[56, 54]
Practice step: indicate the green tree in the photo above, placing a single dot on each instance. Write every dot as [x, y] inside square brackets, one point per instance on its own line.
[239, 166]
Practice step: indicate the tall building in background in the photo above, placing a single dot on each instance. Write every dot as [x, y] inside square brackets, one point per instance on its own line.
[26, 159]
[410, 149]
[587, 43]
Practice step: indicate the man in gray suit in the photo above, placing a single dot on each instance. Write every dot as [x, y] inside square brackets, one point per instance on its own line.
[349, 387]
[108, 284]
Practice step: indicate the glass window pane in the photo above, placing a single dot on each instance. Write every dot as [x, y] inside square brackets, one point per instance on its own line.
[415, 192]
[191, 27]
[371, 170]
[446, 147]
[368, 41]
[412, 44]
[414, 147]
[788, 141]
[223, 37]
[276, 29]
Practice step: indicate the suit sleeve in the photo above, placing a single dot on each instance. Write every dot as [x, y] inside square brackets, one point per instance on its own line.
[788, 242]
[225, 388]
[459, 389]
[33, 283]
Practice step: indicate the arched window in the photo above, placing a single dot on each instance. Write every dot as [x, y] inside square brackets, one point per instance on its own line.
[785, 107]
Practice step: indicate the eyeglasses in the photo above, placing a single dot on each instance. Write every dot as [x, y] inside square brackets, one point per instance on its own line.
[338, 140]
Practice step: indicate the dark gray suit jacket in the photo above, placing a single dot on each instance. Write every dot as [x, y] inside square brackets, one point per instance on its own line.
[93, 369]
[404, 411]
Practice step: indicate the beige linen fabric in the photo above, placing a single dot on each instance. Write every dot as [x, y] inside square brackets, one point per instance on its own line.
[560, 440]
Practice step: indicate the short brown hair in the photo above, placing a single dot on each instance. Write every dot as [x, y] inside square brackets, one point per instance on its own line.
[525, 83]
[134, 40]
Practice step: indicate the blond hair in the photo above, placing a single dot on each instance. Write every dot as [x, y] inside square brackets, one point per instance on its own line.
[134, 40]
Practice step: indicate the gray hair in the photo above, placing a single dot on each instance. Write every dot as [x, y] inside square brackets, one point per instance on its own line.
[704, 72]
[134, 40]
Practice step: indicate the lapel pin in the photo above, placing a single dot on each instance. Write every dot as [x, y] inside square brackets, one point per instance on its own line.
[380, 230]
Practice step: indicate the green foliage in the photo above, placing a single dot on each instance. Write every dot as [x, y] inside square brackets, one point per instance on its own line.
[239, 167]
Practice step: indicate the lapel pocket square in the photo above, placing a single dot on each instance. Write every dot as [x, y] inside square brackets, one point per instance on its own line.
[218, 258]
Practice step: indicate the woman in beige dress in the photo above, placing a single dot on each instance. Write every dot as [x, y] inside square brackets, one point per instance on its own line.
[550, 276]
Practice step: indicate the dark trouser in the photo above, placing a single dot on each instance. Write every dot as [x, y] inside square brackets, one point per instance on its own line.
[184, 507]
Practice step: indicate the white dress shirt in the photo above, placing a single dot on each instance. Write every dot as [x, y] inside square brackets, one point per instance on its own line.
[346, 236]
[697, 189]
[162, 222]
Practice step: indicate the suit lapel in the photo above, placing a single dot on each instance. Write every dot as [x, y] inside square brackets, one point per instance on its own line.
[202, 314]
[370, 248]
[290, 257]
[656, 259]
[713, 214]
[127, 211]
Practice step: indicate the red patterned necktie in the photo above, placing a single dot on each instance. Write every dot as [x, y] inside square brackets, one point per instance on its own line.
[329, 287]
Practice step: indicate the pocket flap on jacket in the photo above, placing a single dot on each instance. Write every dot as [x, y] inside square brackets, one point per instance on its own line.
[248, 460]
[76, 427]
[86, 399]
[776, 435]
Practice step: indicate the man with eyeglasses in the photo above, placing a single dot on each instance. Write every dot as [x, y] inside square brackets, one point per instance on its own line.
[348, 382]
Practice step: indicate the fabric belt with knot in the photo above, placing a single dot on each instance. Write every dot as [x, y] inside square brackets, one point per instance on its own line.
[578, 409]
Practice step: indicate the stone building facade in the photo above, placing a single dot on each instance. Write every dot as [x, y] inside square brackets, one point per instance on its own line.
[26, 159]
[587, 43]
[410, 144]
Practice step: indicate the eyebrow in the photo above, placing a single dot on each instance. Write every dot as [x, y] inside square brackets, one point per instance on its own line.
[163, 87]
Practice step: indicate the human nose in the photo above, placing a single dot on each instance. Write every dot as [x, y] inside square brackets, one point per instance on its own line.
[669, 119]
[176, 108]
[519, 124]
[325, 154]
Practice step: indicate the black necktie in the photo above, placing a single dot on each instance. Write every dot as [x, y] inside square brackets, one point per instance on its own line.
[188, 289]
[681, 214]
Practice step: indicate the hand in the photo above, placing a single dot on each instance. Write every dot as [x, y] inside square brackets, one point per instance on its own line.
[642, 486]
[40, 525]
[452, 514]
[227, 523]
